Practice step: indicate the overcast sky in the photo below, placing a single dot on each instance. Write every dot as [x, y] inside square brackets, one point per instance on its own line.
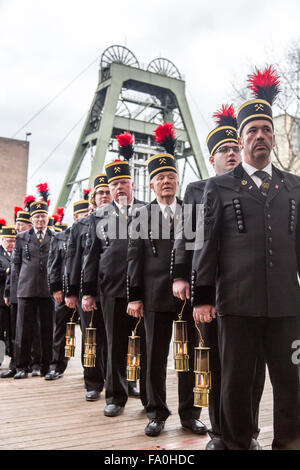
[45, 44]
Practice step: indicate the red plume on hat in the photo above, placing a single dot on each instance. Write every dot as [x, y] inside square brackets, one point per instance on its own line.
[16, 210]
[226, 116]
[59, 215]
[86, 194]
[56, 218]
[165, 136]
[125, 142]
[2, 223]
[27, 201]
[264, 85]
[43, 190]
[60, 211]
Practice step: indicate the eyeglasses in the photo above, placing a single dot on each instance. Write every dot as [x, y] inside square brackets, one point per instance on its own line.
[227, 149]
[103, 193]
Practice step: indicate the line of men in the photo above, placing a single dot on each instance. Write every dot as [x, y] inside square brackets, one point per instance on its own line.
[36, 309]
[129, 260]
[245, 274]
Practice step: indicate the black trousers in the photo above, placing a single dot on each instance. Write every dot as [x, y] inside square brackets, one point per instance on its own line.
[211, 340]
[36, 345]
[27, 318]
[63, 315]
[12, 335]
[94, 377]
[4, 327]
[241, 338]
[159, 327]
[118, 327]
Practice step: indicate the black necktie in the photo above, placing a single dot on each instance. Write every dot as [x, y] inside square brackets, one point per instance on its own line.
[126, 211]
[169, 213]
[40, 236]
[266, 179]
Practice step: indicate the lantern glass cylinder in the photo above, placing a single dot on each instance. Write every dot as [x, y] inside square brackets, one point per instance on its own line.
[202, 377]
[89, 357]
[70, 340]
[180, 346]
[133, 358]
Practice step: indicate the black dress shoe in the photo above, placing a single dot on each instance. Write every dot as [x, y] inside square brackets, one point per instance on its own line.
[8, 374]
[53, 375]
[92, 395]
[255, 445]
[133, 391]
[113, 410]
[21, 374]
[215, 443]
[194, 425]
[154, 427]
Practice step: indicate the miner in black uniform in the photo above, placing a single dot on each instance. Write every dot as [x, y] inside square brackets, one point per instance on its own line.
[8, 238]
[23, 223]
[94, 377]
[63, 314]
[225, 155]
[104, 273]
[150, 296]
[30, 263]
[246, 273]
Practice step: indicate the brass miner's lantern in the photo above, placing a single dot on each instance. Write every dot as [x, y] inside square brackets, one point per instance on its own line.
[202, 374]
[70, 338]
[134, 356]
[180, 344]
[89, 357]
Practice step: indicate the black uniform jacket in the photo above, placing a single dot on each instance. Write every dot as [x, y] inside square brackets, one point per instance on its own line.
[182, 251]
[149, 259]
[4, 265]
[57, 260]
[75, 255]
[30, 260]
[11, 284]
[251, 252]
[105, 265]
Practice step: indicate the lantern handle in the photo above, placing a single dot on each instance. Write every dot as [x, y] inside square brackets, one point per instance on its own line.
[180, 315]
[72, 317]
[92, 317]
[200, 335]
[139, 321]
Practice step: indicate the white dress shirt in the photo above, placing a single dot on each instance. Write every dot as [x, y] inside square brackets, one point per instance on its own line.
[172, 207]
[251, 170]
[126, 210]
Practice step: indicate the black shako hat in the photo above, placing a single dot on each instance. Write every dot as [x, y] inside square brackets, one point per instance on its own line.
[226, 130]
[117, 169]
[80, 206]
[100, 180]
[23, 216]
[8, 231]
[37, 207]
[265, 87]
[166, 161]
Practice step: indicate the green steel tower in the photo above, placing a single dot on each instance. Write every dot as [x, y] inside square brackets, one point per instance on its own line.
[135, 98]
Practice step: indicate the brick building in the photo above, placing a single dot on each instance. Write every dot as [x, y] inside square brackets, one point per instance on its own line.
[13, 175]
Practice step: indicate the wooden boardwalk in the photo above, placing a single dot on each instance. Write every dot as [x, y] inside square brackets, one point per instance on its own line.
[36, 414]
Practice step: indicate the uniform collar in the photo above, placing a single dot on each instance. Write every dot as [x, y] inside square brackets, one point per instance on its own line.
[36, 231]
[120, 206]
[251, 169]
[172, 206]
